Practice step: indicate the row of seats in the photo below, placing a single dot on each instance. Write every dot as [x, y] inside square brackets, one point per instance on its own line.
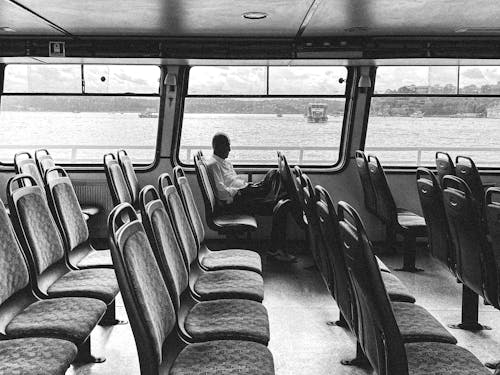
[53, 291]
[393, 334]
[192, 310]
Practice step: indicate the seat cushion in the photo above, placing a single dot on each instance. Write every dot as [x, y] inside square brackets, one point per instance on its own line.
[408, 219]
[67, 318]
[97, 283]
[96, 258]
[436, 358]
[382, 265]
[417, 324]
[36, 356]
[90, 210]
[235, 222]
[233, 258]
[224, 357]
[396, 290]
[230, 284]
[230, 319]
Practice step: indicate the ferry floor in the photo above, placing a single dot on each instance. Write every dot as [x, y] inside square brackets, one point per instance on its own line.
[303, 341]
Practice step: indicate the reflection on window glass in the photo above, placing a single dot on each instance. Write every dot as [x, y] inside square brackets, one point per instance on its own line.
[307, 80]
[480, 80]
[227, 80]
[416, 80]
[307, 130]
[79, 129]
[137, 79]
[408, 131]
[41, 78]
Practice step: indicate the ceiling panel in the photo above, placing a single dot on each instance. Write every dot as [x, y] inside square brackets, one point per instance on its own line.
[22, 21]
[403, 17]
[173, 17]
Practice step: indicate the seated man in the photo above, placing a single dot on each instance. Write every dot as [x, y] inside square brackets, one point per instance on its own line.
[237, 195]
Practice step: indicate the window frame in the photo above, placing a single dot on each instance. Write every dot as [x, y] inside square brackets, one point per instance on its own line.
[372, 94]
[344, 135]
[84, 167]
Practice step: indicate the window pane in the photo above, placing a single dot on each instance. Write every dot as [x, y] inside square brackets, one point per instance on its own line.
[480, 80]
[116, 79]
[259, 127]
[408, 131]
[43, 78]
[416, 80]
[78, 129]
[227, 80]
[307, 80]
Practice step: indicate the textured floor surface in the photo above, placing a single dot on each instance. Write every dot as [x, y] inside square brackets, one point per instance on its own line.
[300, 309]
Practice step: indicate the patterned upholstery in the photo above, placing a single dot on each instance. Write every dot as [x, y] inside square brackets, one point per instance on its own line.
[442, 359]
[230, 284]
[409, 219]
[129, 174]
[96, 258]
[70, 213]
[188, 242]
[152, 297]
[29, 167]
[97, 283]
[120, 184]
[226, 357]
[67, 318]
[236, 221]
[192, 210]
[241, 259]
[13, 269]
[40, 229]
[40, 356]
[417, 324]
[228, 320]
[396, 290]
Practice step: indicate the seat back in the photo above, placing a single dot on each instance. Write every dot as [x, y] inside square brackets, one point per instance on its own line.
[475, 263]
[145, 295]
[444, 165]
[207, 191]
[116, 180]
[24, 163]
[164, 243]
[66, 208]
[129, 174]
[386, 207]
[330, 236]
[291, 186]
[467, 171]
[173, 204]
[492, 209]
[369, 195]
[186, 194]
[378, 333]
[44, 161]
[431, 200]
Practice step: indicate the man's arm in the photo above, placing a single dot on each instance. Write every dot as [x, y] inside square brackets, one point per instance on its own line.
[223, 192]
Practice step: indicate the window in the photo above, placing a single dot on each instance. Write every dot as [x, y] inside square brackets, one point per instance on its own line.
[297, 110]
[79, 113]
[416, 111]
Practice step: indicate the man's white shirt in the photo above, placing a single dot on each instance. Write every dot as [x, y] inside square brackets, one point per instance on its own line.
[227, 183]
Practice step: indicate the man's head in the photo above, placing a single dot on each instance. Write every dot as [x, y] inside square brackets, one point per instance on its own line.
[221, 145]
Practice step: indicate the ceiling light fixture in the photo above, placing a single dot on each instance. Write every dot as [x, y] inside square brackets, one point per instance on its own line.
[254, 15]
[7, 29]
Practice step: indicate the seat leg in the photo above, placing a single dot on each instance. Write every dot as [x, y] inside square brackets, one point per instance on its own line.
[470, 305]
[390, 239]
[109, 318]
[359, 361]
[409, 253]
[84, 354]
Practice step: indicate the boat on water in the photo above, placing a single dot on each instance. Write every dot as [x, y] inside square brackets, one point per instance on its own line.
[148, 114]
[316, 112]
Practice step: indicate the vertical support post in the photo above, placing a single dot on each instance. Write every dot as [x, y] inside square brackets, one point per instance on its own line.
[470, 314]
[409, 252]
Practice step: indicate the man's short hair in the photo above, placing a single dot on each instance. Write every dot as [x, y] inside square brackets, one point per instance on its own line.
[218, 139]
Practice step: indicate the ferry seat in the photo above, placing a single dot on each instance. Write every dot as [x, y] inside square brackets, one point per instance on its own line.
[72, 226]
[44, 249]
[438, 232]
[370, 198]
[217, 220]
[466, 169]
[116, 180]
[444, 165]
[44, 162]
[380, 333]
[130, 176]
[24, 314]
[396, 220]
[492, 204]
[292, 188]
[153, 318]
[197, 321]
[206, 285]
[212, 260]
[24, 163]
